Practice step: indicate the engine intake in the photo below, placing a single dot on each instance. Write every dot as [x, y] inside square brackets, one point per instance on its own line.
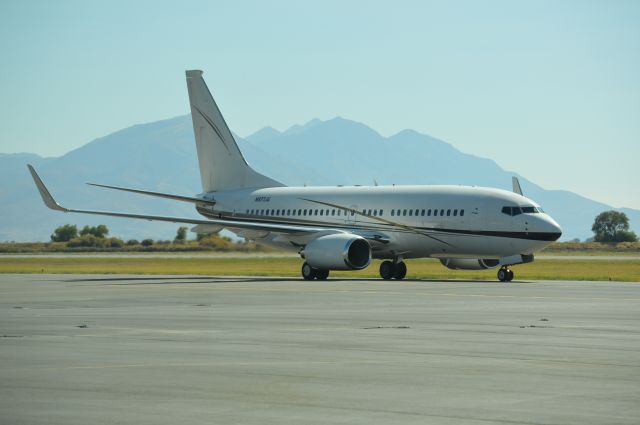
[338, 252]
[469, 263]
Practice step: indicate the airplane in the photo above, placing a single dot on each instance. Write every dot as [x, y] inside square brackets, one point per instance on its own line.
[345, 227]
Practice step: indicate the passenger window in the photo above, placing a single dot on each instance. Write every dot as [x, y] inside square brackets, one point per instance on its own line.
[333, 212]
[448, 213]
[435, 213]
[455, 213]
[428, 213]
[339, 212]
[381, 212]
[423, 213]
[321, 212]
[461, 213]
[441, 213]
[410, 213]
[392, 213]
[404, 212]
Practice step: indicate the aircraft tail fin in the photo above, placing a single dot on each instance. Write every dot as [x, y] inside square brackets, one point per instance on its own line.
[222, 166]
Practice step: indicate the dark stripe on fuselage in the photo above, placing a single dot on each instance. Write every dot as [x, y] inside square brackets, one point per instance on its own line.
[534, 236]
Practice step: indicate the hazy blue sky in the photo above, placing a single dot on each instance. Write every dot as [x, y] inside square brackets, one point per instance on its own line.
[550, 89]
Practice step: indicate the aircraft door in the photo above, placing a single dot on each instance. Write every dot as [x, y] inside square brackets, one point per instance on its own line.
[351, 216]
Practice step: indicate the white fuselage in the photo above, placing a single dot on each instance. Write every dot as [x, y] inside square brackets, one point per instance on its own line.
[417, 221]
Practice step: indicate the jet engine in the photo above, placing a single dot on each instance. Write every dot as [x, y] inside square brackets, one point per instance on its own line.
[338, 252]
[469, 263]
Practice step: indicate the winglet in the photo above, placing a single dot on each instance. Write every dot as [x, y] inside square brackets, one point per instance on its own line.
[516, 185]
[44, 192]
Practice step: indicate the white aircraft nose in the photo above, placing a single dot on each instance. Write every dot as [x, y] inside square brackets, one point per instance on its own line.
[552, 228]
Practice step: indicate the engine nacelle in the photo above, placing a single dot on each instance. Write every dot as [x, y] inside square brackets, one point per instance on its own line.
[338, 252]
[469, 263]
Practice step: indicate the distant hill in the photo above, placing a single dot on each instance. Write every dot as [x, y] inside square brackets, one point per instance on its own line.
[161, 156]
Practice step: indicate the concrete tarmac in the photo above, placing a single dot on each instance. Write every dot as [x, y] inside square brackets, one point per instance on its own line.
[104, 349]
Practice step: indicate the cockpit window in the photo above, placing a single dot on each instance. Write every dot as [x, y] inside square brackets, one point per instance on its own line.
[511, 211]
[532, 210]
[521, 210]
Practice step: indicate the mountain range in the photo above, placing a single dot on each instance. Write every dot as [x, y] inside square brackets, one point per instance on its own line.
[161, 156]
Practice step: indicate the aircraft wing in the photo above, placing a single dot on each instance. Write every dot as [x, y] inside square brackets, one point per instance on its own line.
[237, 224]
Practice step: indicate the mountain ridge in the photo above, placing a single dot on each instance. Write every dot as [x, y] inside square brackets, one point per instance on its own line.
[161, 156]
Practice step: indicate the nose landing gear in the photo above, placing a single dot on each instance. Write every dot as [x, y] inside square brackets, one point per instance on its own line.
[505, 274]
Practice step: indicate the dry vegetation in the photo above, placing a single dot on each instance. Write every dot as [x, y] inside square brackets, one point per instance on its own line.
[211, 243]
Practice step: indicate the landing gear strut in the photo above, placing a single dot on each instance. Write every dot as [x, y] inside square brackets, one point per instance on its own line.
[310, 273]
[505, 274]
[391, 270]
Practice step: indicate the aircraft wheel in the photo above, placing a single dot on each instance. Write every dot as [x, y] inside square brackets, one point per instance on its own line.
[503, 275]
[387, 270]
[308, 272]
[400, 271]
[322, 274]
[510, 277]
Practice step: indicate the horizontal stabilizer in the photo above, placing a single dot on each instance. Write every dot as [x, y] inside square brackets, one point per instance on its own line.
[158, 194]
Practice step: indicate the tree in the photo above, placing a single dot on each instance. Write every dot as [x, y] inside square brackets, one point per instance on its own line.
[612, 226]
[99, 231]
[65, 233]
[181, 235]
[146, 242]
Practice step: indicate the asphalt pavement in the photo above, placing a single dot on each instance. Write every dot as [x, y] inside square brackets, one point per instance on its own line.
[105, 349]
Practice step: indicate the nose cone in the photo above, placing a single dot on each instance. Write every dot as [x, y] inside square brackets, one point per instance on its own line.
[552, 228]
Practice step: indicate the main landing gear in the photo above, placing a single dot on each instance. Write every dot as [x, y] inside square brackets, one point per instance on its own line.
[391, 270]
[505, 274]
[310, 273]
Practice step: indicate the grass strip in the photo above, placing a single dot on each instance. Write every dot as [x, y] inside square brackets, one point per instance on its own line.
[621, 270]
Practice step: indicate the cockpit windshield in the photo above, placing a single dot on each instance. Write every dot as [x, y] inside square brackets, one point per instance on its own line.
[521, 210]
